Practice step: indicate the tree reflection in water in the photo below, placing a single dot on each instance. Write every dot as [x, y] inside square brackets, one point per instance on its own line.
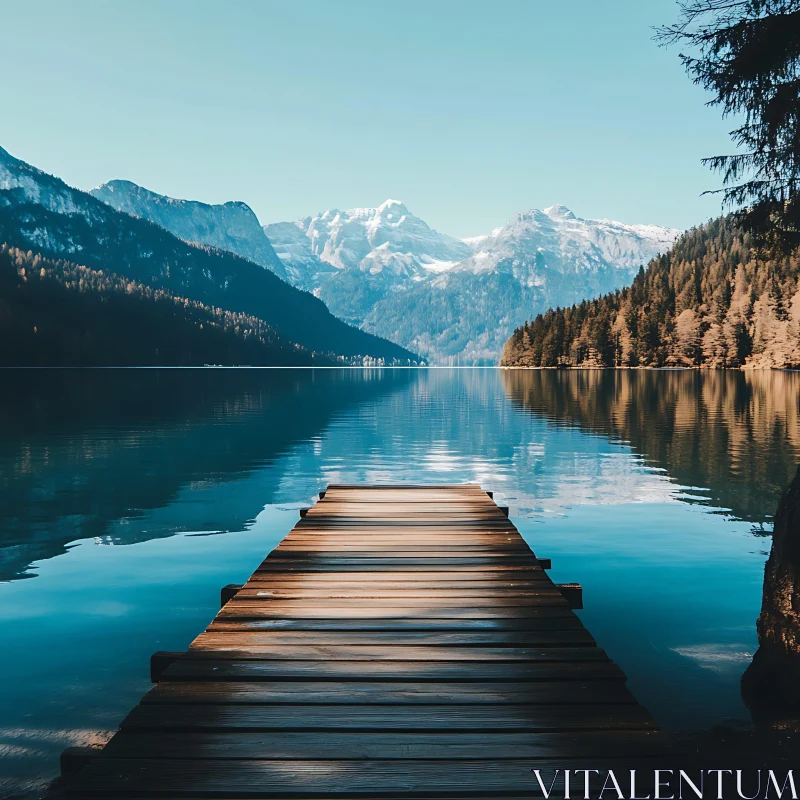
[733, 433]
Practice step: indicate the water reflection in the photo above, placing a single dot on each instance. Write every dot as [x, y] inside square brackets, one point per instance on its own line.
[643, 486]
[132, 455]
[126, 456]
[732, 438]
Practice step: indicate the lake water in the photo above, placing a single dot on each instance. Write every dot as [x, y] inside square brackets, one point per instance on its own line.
[128, 498]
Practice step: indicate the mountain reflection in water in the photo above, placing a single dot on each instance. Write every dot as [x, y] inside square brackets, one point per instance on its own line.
[133, 455]
[93, 453]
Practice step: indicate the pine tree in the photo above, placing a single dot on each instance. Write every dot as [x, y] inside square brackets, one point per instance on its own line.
[747, 54]
[714, 300]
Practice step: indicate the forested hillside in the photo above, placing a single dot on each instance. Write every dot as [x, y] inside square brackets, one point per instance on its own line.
[56, 313]
[711, 301]
[41, 213]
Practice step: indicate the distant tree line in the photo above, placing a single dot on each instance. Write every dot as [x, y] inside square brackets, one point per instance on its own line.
[57, 313]
[710, 301]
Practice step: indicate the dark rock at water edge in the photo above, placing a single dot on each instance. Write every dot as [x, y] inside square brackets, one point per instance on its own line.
[771, 684]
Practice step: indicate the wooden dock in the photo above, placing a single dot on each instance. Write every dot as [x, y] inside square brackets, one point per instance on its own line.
[401, 641]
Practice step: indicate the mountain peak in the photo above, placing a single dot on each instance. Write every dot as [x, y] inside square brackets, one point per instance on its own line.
[559, 211]
[394, 206]
[387, 203]
[118, 183]
[228, 226]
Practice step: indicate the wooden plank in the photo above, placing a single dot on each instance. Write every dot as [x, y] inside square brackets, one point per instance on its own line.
[289, 608]
[241, 669]
[349, 551]
[241, 635]
[417, 534]
[248, 598]
[563, 620]
[381, 549]
[430, 593]
[323, 562]
[399, 527]
[446, 535]
[315, 717]
[405, 577]
[407, 565]
[323, 588]
[379, 745]
[307, 779]
[544, 596]
[431, 531]
[408, 692]
[366, 489]
[399, 652]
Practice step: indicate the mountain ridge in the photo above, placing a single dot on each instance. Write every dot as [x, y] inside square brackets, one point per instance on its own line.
[40, 212]
[386, 240]
[428, 302]
[385, 270]
[227, 226]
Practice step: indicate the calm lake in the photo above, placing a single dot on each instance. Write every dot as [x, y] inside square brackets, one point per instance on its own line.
[129, 497]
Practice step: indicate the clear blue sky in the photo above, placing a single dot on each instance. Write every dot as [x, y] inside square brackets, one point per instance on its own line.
[468, 111]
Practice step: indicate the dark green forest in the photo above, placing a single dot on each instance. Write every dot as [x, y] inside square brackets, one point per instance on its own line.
[713, 300]
[56, 219]
[56, 313]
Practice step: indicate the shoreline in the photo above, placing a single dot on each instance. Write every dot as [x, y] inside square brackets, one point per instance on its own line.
[698, 368]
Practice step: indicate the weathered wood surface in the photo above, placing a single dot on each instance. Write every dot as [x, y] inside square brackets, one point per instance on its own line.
[399, 642]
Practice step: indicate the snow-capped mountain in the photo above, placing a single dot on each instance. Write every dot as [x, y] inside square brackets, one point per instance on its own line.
[556, 238]
[230, 226]
[389, 272]
[539, 259]
[382, 249]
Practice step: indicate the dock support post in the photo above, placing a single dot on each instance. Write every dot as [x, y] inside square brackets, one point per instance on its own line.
[491, 495]
[321, 495]
[74, 759]
[504, 509]
[160, 661]
[304, 511]
[228, 593]
[573, 594]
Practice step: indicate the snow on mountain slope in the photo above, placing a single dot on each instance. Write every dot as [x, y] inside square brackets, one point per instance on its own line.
[386, 270]
[539, 259]
[554, 238]
[28, 184]
[230, 226]
[346, 238]
[304, 268]
[385, 248]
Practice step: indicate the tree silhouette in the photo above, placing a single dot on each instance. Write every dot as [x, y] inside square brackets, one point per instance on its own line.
[747, 53]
